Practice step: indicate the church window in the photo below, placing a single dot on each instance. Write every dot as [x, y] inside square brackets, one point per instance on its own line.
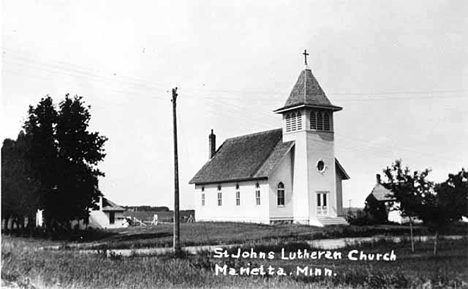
[293, 122]
[320, 166]
[220, 196]
[111, 218]
[257, 194]
[203, 199]
[237, 195]
[313, 120]
[280, 194]
[288, 122]
[319, 121]
[326, 121]
[299, 120]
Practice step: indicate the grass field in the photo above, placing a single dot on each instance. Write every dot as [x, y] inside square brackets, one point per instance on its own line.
[219, 233]
[23, 262]
[163, 216]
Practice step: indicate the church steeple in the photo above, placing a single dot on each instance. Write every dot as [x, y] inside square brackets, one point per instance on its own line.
[307, 107]
[307, 93]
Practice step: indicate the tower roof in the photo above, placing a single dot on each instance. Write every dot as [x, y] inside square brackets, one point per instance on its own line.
[307, 93]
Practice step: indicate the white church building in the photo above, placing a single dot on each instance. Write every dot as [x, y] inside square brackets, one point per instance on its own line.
[288, 175]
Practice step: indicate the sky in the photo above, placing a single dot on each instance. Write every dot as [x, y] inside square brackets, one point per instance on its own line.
[399, 69]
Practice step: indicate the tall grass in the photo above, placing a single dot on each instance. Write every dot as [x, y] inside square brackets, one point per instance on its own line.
[22, 259]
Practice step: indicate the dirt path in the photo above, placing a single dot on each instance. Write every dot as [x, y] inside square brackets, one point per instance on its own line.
[325, 244]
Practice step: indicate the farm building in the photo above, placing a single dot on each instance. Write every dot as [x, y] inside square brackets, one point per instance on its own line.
[288, 174]
[109, 215]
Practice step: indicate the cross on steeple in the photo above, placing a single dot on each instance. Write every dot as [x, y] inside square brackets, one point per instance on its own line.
[305, 56]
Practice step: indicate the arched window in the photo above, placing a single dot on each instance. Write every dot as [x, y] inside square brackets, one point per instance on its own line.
[326, 121]
[319, 120]
[288, 122]
[203, 196]
[237, 195]
[313, 120]
[293, 122]
[257, 194]
[299, 120]
[280, 195]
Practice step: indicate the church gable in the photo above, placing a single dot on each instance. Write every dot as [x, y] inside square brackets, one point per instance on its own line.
[246, 157]
[275, 158]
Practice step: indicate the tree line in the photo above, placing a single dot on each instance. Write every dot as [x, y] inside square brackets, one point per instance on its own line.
[52, 166]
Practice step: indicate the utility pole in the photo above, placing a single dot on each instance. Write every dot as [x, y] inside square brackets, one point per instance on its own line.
[177, 249]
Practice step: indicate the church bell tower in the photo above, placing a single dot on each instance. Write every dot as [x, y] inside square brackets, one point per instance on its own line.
[308, 121]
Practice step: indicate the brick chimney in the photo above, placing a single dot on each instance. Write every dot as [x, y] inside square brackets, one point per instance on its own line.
[212, 144]
[377, 178]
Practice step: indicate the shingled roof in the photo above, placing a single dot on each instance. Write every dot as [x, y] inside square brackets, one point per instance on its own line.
[381, 193]
[307, 92]
[109, 206]
[247, 157]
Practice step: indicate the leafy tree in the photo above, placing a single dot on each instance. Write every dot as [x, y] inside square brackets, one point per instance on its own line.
[19, 187]
[409, 189]
[42, 153]
[447, 205]
[79, 152]
[375, 211]
[64, 155]
[436, 204]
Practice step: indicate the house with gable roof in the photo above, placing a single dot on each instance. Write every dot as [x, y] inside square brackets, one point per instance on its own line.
[381, 205]
[108, 216]
[288, 174]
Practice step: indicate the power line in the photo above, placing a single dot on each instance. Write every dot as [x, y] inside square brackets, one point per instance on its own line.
[75, 70]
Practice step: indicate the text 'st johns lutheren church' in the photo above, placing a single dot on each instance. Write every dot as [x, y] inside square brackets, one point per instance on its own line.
[282, 175]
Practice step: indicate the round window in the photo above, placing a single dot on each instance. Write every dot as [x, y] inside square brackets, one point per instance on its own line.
[321, 166]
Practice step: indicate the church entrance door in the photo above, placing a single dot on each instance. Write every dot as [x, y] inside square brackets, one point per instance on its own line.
[322, 203]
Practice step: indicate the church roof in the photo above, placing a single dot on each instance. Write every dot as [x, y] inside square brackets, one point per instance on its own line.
[307, 93]
[341, 170]
[247, 157]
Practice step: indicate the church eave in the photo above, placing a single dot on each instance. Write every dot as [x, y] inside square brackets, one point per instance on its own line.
[297, 106]
[342, 170]
[211, 182]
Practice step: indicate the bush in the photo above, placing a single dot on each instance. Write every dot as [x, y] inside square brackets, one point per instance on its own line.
[359, 218]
